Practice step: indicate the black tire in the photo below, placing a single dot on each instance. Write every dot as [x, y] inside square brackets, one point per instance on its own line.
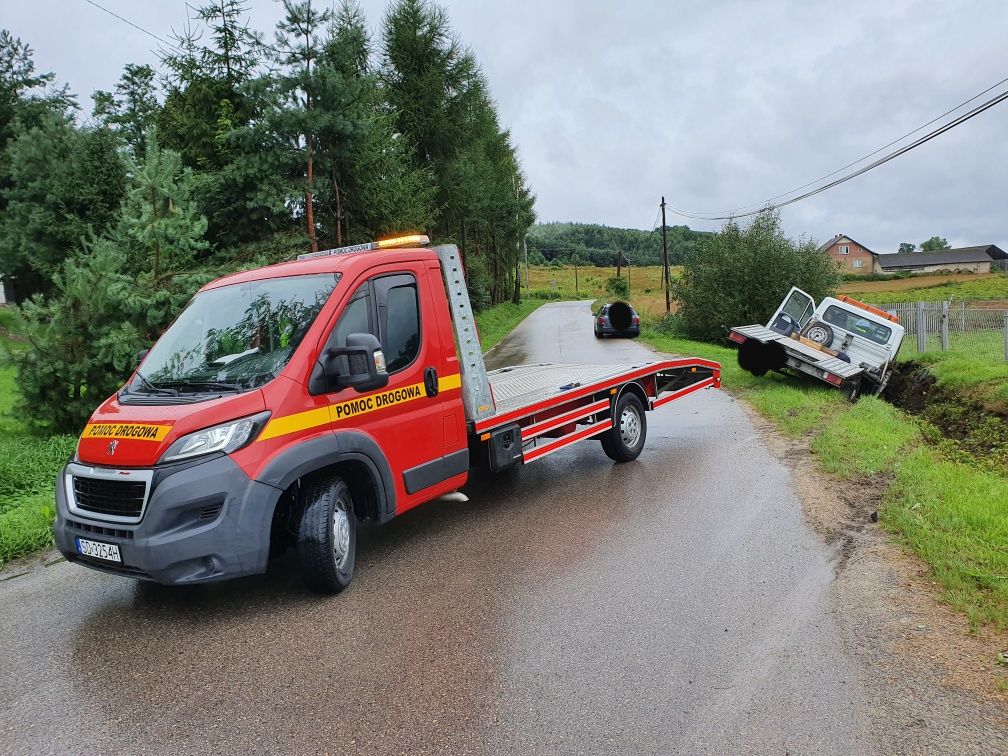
[852, 390]
[326, 552]
[615, 440]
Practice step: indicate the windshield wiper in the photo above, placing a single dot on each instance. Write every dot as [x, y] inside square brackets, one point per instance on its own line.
[152, 389]
[208, 385]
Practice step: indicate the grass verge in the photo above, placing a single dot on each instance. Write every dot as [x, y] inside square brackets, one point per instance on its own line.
[28, 466]
[497, 322]
[951, 512]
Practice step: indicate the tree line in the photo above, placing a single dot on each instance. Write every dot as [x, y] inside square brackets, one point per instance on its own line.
[241, 148]
[594, 244]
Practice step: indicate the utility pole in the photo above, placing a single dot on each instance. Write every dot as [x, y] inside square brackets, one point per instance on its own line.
[664, 244]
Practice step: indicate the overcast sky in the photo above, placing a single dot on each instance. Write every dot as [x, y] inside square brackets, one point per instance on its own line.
[716, 105]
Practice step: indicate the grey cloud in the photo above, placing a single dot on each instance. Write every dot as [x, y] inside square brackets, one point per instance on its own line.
[714, 104]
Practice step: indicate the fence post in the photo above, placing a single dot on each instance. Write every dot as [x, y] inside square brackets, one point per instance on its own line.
[1006, 335]
[945, 325]
[921, 329]
[962, 316]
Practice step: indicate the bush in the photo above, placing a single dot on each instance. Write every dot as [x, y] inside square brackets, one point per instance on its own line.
[740, 275]
[618, 287]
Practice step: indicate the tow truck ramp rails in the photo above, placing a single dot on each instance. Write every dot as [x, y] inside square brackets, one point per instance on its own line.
[797, 352]
[476, 395]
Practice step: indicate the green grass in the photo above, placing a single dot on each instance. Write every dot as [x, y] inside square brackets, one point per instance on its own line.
[497, 322]
[865, 439]
[954, 515]
[28, 468]
[956, 518]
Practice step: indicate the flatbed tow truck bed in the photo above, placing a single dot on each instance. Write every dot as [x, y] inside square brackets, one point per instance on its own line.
[557, 405]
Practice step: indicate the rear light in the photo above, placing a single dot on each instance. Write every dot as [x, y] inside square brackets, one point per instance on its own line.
[836, 380]
[735, 336]
[601, 320]
[636, 320]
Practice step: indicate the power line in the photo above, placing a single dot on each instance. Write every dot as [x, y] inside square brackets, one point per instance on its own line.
[926, 138]
[135, 26]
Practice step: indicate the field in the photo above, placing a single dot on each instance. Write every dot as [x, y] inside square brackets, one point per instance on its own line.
[646, 291]
[647, 294]
[930, 288]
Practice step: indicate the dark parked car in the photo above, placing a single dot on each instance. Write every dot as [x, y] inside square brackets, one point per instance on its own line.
[617, 319]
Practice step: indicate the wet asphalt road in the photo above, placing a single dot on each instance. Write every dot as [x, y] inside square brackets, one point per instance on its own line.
[673, 604]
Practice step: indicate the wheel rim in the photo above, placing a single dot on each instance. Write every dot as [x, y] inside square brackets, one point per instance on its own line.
[630, 427]
[818, 335]
[341, 534]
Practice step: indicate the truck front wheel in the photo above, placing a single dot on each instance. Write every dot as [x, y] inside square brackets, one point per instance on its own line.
[625, 440]
[327, 535]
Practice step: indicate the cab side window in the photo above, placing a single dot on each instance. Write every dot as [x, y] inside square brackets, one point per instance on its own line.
[398, 320]
[356, 317]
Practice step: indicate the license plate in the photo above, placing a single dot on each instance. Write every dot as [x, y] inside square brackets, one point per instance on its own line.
[107, 551]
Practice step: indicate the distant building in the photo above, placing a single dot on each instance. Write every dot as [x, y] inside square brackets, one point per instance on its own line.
[980, 259]
[854, 258]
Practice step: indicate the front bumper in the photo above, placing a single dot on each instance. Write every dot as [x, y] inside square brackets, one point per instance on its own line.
[202, 522]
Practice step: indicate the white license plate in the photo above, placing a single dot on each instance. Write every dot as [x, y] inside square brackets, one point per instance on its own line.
[107, 551]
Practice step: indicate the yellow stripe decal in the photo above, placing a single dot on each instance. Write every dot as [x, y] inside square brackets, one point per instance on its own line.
[351, 408]
[135, 431]
[449, 382]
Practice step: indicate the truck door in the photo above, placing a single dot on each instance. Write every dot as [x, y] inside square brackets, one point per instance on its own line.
[794, 313]
[406, 417]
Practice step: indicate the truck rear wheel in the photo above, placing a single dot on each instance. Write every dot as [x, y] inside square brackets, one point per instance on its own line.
[625, 440]
[327, 535]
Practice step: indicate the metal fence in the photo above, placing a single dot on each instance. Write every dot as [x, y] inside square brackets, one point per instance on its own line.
[980, 332]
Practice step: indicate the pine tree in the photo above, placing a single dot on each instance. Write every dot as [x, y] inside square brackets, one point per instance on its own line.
[112, 296]
[132, 108]
[65, 185]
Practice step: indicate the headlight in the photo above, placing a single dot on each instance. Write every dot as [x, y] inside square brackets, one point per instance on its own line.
[226, 437]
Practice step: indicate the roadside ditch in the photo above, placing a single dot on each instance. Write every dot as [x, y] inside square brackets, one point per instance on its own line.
[966, 429]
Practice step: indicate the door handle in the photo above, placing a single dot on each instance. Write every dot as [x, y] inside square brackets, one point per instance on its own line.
[430, 380]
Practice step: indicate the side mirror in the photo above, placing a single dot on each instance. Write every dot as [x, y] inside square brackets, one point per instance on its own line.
[141, 355]
[360, 364]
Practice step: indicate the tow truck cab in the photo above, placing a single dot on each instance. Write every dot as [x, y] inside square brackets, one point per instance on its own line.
[288, 403]
[844, 342]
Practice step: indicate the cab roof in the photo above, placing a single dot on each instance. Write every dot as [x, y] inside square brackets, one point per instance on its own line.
[346, 263]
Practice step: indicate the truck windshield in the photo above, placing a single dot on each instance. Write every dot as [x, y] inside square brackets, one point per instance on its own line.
[235, 337]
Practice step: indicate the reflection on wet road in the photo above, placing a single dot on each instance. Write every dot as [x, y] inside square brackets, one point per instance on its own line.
[676, 603]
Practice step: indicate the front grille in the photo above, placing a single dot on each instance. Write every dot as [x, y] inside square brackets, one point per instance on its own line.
[85, 527]
[121, 498]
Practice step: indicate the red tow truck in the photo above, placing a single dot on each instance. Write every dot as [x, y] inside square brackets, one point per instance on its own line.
[287, 404]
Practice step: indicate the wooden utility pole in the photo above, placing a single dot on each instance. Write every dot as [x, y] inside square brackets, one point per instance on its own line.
[664, 244]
